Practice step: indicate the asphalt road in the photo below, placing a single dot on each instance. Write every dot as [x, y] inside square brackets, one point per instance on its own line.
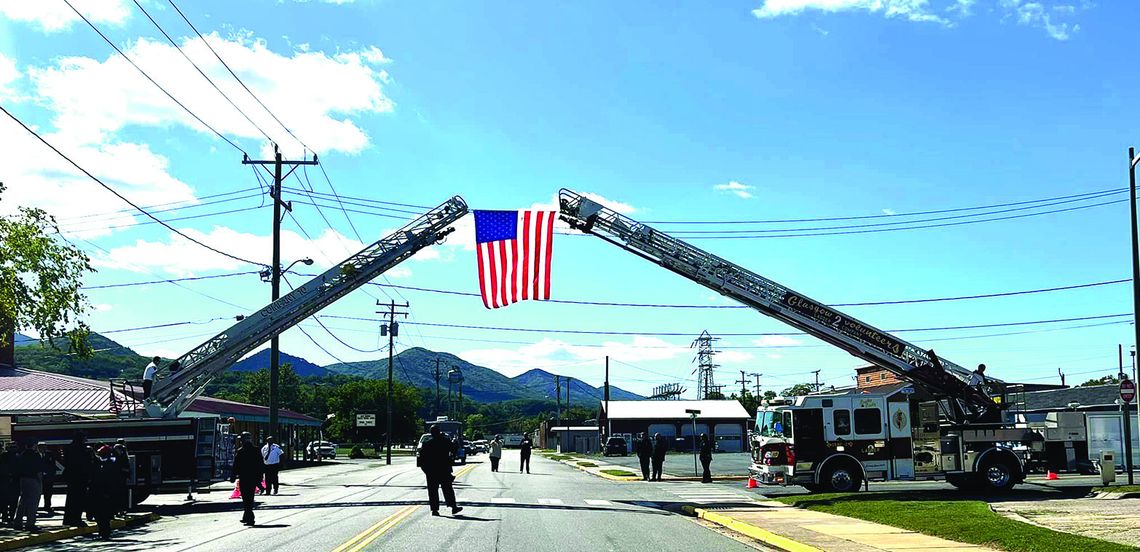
[369, 506]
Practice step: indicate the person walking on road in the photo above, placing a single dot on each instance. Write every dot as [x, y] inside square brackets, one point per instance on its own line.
[148, 376]
[272, 454]
[247, 469]
[103, 489]
[122, 482]
[524, 453]
[435, 461]
[27, 471]
[48, 470]
[706, 458]
[496, 450]
[644, 449]
[77, 473]
[660, 447]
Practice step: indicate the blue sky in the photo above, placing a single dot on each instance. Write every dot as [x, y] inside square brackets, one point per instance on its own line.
[730, 111]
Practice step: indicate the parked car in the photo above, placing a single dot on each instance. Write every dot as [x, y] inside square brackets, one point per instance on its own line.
[615, 446]
[321, 449]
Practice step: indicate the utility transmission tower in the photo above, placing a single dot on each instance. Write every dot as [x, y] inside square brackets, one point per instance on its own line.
[757, 376]
[706, 385]
[392, 328]
[275, 270]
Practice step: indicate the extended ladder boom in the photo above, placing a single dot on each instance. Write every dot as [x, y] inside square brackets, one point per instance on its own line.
[171, 395]
[941, 378]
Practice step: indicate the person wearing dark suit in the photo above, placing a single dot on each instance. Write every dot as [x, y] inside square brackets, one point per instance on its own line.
[248, 469]
[660, 447]
[644, 449]
[435, 460]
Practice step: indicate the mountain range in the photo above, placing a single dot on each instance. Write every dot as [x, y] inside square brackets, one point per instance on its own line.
[260, 361]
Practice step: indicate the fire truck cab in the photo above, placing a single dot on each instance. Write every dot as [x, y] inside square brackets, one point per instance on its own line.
[836, 442]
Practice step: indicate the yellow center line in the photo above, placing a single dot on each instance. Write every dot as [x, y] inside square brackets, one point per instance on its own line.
[466, 470]
[400, 516]
[344, 547]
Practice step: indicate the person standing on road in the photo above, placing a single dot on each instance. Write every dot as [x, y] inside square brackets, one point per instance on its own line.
[524, 453]
[435, 461]
[9, 483]
[706, 458]
[27, 471]
[272, 454]
[644, 450]
[122, 482]
[496, 449]
[76, 472]
[660, 447]
[104, 489]
[148, 376]
[247, 470]
[48, 470]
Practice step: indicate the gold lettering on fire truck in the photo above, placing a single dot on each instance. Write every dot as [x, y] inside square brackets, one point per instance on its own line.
[845, 325]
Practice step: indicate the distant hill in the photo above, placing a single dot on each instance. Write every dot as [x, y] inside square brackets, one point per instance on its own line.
[110, 360]
[416, 366]
[580, 391]
[260, 361]
[98, 343]
[22, 340]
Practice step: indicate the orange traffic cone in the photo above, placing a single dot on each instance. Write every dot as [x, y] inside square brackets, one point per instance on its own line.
[237, 492]
[751, 484]
[1051, 475]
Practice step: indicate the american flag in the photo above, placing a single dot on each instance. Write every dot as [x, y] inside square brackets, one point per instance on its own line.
[514, 255]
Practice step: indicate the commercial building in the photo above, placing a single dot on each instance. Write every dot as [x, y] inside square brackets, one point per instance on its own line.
[724, 421]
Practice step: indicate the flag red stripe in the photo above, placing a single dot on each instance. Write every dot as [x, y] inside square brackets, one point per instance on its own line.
[482, 281]
[537, 249]
[504, 299]
[526, 251]
[514, 271]
[494, 283]
[549, 250]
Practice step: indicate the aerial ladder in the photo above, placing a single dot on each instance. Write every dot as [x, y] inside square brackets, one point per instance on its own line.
[173, 393]
[944, 380]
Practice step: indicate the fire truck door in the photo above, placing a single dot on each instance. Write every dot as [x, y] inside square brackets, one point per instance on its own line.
[902, 457]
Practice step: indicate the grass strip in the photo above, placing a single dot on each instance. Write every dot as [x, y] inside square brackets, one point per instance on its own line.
[619, 473]
[969, 521]
[559, 457]
[1118, 489]
[587, 464]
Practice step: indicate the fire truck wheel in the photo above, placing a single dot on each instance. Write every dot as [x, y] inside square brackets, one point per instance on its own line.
[842, 478]
[997, 475]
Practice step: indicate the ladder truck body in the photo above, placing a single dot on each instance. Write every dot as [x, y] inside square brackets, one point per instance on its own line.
[959, 433]
[172, 451]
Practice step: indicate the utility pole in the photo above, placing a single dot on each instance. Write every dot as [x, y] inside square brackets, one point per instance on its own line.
[275, 270]
[757, 376]
[1132, 161]
[558, 397]
[392, 328]
[437, 386]
[743, 385]
[1062, 374]
[816, 380]
[609, 421]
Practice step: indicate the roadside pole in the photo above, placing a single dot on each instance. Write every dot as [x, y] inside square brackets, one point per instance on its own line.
[1132, 161]
[692, 412]
[1127, 394]
[392, 328]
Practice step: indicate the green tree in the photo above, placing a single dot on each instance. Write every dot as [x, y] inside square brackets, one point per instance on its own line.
[769, 395]
[748, 401]
[40, 277]
[369, 396]
[797, 390]
[474, 426]
[1105, 380]
[288, 388]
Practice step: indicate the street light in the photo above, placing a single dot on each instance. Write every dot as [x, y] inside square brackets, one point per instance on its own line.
[273, 275]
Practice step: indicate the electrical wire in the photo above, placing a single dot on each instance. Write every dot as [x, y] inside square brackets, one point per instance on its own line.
[419, 208]
[156, 221]
[234, 75]
[148, 77]
[201, 72]
[169, 280]
[161, 207]
[120, 196]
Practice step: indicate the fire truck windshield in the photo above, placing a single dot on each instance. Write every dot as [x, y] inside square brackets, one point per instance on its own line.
[774, 423]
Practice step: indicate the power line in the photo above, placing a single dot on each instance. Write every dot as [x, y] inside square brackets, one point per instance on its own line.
[169, 280]
[234, 75]
[420, 208]
[916, 227]
[148, 77]
[200, 71]
[887, 215]
[168, 206]
[120, 196]
[173, 219]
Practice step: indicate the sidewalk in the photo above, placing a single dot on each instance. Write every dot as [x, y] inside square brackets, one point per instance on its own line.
[52, 529]
[799, 530]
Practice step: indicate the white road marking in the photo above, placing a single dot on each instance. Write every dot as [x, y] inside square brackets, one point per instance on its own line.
[550, 501]
[599, 502]
[502, 500]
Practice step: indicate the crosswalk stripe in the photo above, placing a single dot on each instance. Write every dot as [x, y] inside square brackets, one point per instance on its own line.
[599, 502]
[502, 500]
[549, 501]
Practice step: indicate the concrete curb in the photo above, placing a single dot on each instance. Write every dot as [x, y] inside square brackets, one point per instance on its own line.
[762, 535]
[52, 536]
[1109, 495]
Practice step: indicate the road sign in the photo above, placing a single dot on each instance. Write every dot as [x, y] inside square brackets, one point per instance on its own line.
[365, 420]
[1127, 390]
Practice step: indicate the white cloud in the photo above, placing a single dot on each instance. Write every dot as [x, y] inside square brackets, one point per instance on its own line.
[739, 190]
[734, 357]
[776, 341]
[889, 212]
[102, 307]
[311, 92]
[9, 74]
[52, 16]
[548, 351]
[180, 257]
[944, 12]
